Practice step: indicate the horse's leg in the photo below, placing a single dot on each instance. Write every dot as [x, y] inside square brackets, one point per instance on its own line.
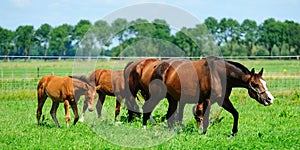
[41, 102]
[118, 106]
[75, 111]
[132, 108]
[227, 105]
[157, 91]
[148, 107]
[100, 104]
[171, 113]
[67, 112]
[53, 113]
[180, 112]
[85, 106]
[206, 111]
[128, 105]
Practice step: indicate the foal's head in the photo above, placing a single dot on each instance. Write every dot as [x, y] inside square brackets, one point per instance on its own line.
[90, 96]
[258, 90]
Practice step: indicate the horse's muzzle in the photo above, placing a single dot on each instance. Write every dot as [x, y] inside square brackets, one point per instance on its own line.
[268, 101]
[91, 109]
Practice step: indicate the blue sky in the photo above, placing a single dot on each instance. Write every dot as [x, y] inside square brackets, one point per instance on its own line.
[56, 12]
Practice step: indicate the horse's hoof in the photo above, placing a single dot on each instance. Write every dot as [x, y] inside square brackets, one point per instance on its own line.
[232, 135]
[152, 120]
[81, 120]
[144, 127]
[117, 123]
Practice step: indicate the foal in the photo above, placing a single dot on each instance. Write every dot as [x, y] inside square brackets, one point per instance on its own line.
[65, 90]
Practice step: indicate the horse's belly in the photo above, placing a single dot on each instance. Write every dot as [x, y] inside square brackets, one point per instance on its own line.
[55, 97]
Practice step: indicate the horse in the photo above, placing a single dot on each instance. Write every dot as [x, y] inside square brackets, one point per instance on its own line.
[206, 81]
[65, 90]
[107, 82]
[137, 77]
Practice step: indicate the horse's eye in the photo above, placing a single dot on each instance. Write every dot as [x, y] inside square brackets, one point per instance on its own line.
[255, 85]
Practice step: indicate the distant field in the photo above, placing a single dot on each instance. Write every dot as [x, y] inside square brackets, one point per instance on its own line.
[273, 127]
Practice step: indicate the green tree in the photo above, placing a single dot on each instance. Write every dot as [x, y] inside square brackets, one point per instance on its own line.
[184, 41]
[25, 39]
[83, 38]
[229, 32]
[102, 32]
[42, 36]
[249, 35]
[61, 39]
[212, 26]
[120, 31]
[292, 33]
[141, 28]
[6, 41]
[269, 34]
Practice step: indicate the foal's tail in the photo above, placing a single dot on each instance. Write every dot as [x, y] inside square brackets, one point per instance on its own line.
[41, 88]
[41, 94]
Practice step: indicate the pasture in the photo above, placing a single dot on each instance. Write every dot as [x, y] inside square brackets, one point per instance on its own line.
[260, 127]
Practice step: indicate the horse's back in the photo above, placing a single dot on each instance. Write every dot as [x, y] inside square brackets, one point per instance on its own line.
[53, 86]
[107, 79]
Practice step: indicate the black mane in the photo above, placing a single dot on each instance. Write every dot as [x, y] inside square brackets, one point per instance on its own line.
[240, 66]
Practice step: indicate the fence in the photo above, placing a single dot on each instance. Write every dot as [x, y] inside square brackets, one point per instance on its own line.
[277, 79]
[13, 58]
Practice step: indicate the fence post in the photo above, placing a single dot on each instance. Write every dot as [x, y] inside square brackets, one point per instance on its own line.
[24, 81]
[38, 72]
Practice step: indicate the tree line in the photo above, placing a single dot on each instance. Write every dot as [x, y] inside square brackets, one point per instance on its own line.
[141, 37]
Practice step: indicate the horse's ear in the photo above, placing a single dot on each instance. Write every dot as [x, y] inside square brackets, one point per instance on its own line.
[87, 86]
[252, 71]
[261, 71]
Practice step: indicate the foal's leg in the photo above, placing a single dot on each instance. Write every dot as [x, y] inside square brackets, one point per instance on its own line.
[75, 111]
[227, 105]
[41, 102]
[53, 113]
[85, 106]
[100, 104]
[67, 112]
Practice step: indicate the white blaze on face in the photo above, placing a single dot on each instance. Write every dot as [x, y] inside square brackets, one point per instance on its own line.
[264, 83]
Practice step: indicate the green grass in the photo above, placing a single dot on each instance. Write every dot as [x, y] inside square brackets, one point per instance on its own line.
[276, 126]
[260, 127]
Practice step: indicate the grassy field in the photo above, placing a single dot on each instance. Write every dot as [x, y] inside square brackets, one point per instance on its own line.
[260, 127]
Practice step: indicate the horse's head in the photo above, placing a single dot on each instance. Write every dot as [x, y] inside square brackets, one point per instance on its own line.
[258, 90]
[198, 114]
[90, 96]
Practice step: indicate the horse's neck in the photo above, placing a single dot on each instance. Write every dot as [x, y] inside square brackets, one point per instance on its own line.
[237, 78]
[79, 86]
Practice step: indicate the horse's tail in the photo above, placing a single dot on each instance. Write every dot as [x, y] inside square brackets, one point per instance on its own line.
[41, 92]
[160, 70]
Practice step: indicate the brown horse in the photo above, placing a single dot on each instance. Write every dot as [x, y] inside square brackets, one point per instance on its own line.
[107, 82]
[137, 77]
[65, 90]
[205, 82]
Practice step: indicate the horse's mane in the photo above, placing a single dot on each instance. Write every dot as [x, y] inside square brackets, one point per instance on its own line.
[240, 66]
[128, 64]
[81, 78]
